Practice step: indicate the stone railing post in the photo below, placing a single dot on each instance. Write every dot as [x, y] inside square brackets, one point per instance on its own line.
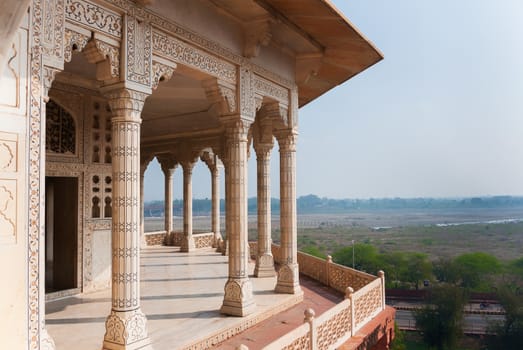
[349, 294]
[381, 275]
[313, 334]
[238, 299]
[126, 325]
[328, 263]
[188, 239]
[288, 275]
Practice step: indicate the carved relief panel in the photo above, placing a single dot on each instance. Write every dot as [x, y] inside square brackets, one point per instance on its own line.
[14, 75]
[8, 186]
[53, 20]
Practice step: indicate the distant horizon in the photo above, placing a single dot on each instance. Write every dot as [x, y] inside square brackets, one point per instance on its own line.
[368, 198]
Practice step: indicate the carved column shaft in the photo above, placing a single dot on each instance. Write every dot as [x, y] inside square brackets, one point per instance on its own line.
[126, 325]
[168, 200]
[288, 278]
[215, 220]
[143, 241]
[264, 259]
[188, 239]
[238, 299]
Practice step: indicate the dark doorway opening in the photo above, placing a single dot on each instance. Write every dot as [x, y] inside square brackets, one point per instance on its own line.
[61, 233]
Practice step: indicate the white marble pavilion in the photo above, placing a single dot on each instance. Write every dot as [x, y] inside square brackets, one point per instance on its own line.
[92, 90]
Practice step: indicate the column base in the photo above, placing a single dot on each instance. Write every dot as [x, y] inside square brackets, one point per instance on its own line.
[216, 240]
[238, 299]
[225, 249]
[288, 280]
[46, 342]
[187, 244]
[264, 266]
[126, 330]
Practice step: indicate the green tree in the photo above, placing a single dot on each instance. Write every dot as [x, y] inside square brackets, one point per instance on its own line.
[314, 251]
[398, 343]
[440, 320]
[447, 271]
[508, 334]
[418, 268]
[366, 257]
[476, 269]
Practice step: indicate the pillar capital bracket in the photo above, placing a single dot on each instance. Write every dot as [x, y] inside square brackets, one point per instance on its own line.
[167, 162]
[126, 104]
[237, 129]
[287, 139]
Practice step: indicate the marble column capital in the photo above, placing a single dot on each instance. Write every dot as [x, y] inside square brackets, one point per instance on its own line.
[125, 104]
[287, 140]
[167, 163]
[237, 130]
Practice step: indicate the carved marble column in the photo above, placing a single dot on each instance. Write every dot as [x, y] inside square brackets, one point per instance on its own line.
[125, 327]
[226, 171]
[264, 259]
[215, 219]
[188, 239]
[288, 275]
[168, 166]
[144, 162]
[238, 299]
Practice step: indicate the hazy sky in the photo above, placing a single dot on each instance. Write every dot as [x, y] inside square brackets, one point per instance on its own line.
[441, 115]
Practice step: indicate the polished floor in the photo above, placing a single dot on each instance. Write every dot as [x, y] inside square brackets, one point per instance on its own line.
[181, 296]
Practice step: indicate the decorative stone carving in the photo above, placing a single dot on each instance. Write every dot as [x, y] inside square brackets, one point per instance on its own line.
[236, 194]
[8, 152]
[263, 143]
[125, 326]
[214, 165]
[161, 72]
[288, 277]
[35, 295]
[60, 130]
[48, 78]
[73, 42]
[8, 206]
[94, 17]
[52, 40]
[138, 49]
[126, 330]
[267, 88]
[105, 56]
[221, 95]
[168, 164]
[180, 52]
[188, 239]
[247, 102]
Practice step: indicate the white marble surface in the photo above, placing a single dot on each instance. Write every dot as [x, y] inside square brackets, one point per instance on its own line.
[181, 295]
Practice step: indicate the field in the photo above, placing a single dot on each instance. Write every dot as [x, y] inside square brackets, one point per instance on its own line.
[399, 230]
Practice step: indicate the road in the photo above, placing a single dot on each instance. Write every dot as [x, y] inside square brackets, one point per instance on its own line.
[474, 323]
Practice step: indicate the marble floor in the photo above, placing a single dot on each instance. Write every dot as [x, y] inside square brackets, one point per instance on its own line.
[181, 296]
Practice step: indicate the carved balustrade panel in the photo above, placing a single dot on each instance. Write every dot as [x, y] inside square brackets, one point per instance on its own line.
[341, 277]
[333, 326]
[313, 267]
[367, 303]
[203, 240]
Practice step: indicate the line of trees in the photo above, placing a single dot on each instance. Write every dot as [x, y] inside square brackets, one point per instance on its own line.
[312, 204]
